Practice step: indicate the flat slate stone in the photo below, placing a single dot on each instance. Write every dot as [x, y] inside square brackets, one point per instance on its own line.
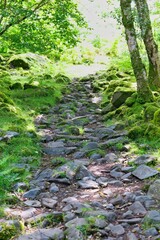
[143, 172]
[49, 202]
[44, 234]
[154, 190]
[87, 184]
[153, 217]
[144, 159]
[117, 230]
[138, 208]
[32, 203]
[32, 194]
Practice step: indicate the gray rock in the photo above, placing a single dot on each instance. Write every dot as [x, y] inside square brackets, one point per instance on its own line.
[82, 172]
[120, 96]
[138, 208]
[44, 174]
[103, 181]
[76, 222]
[44, 234]
[152, 216]
[100, 223]
[154, 190]
[151, 232]
[54, 144]
[103, 132]
[60, 151]
[67, 208]
[127, 169]
[131, 236]
[80, 154]
[112, 142]
[144, 159]
[117, 201]
[53, 188]
[130, 221]
[68, 217]
[115, 183]
[128, 214]
[32, 203]
[87, 183]
[73, 202]
[90, 146]
[20, 186]
[129, 197]
[143, 172]
[49, 202]
[111, 157]
[73, 233]
[110, 216]
[116, 174]
[117, 230]
[26, 214]
[32, 194]
[95, 156]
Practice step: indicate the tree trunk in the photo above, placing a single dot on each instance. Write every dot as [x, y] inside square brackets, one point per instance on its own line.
[143, 90]
[150, 45]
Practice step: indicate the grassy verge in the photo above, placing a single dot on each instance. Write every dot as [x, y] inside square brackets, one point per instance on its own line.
[24, 95]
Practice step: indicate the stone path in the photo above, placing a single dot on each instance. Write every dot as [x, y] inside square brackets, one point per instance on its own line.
[85, 188]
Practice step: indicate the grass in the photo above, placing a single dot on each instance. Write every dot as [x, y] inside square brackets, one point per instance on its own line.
[20, 107]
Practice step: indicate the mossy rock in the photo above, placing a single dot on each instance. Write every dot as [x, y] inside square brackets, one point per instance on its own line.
[108, 108]
[156, 118]
[131, 100]
[60, 78]
[16, 85]
[149, 111]
[120, 95]
[121, 111]
[152, 132]
[109, 115]
[117, 83]
[28, 60]
[136, 132]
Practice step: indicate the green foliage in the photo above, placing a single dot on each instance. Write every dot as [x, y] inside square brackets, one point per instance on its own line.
[54, 25]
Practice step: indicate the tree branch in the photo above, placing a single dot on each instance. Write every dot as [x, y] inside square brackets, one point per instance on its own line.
[36, 7]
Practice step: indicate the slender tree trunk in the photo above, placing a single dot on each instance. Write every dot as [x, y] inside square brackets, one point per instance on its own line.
[150, 45]
[143, 90]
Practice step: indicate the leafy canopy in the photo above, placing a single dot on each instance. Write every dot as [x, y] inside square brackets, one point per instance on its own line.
[39, 25]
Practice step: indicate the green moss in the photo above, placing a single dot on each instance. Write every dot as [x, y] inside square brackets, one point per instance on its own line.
[136, 132]
[152, 132]
[60, 78]
[157, 117]
[149, 111]
[131, 100]
[109, 115]
[117, 83]
[8, 231]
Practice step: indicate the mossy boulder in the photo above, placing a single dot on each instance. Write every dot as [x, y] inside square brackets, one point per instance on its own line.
[131, 100]
[28, 60]
[118, 83]
[60, 78]
[120, 95]
[136, 132]
[108, 108]
[149, 111]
